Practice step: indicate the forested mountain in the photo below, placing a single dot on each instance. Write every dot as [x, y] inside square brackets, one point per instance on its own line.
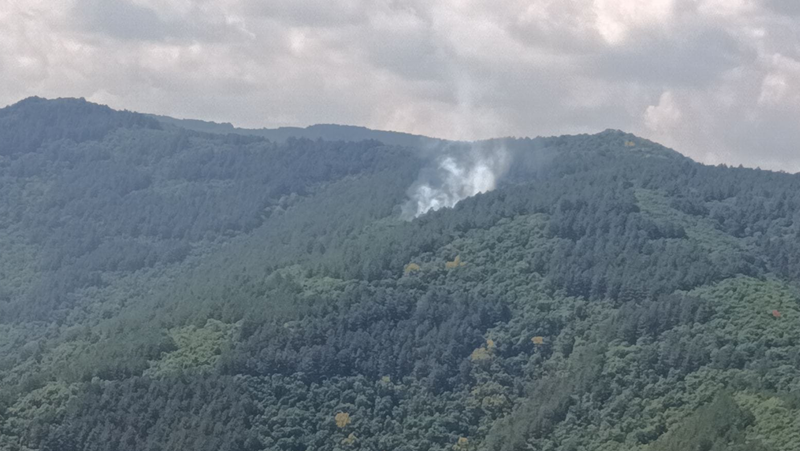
[171, 289]
[328, 132]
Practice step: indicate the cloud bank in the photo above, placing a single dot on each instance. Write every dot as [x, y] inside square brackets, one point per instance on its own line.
[718, 80]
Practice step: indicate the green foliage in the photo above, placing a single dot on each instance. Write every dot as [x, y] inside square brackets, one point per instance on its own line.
[162, 288]
[717, 426]
[197, 349]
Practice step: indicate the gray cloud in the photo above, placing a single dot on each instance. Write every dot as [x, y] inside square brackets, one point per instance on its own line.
[693, 58]
[787, 7]
[718, 80]
[122, 19]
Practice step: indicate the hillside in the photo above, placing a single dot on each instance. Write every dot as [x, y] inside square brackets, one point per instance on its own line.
[163, 288]
[327, 132]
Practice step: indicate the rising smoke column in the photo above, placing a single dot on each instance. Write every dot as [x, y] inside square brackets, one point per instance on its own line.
[454, 176]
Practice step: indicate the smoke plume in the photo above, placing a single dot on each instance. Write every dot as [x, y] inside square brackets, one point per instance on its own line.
[454, 176]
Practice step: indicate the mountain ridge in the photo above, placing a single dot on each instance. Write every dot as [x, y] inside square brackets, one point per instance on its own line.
[328, 132]
[163, 288]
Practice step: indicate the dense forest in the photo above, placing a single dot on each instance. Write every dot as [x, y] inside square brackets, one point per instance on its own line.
[168, 288]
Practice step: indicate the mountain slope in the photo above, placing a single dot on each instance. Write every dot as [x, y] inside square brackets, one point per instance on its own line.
[163, 288]
[327, 132]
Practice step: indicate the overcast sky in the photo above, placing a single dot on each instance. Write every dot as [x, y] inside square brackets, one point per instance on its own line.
[718, 80]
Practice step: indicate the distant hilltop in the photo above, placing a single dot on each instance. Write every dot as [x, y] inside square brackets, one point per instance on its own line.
[327, 132]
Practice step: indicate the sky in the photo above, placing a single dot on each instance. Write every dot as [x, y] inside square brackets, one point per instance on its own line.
[717, 80]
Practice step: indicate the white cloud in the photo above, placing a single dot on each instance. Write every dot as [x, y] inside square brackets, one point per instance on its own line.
[717, 80]
[616, 18]
[781, 85]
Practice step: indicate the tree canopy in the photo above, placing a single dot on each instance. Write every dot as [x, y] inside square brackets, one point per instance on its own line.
[171, 289]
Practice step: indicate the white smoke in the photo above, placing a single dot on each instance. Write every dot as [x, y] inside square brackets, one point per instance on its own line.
[455, 177]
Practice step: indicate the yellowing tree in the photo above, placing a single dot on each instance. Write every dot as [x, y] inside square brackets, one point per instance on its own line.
[349, 440]
[455, 263]
[411, 267]
[480, 354]
[342, 419]
[462, 444]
